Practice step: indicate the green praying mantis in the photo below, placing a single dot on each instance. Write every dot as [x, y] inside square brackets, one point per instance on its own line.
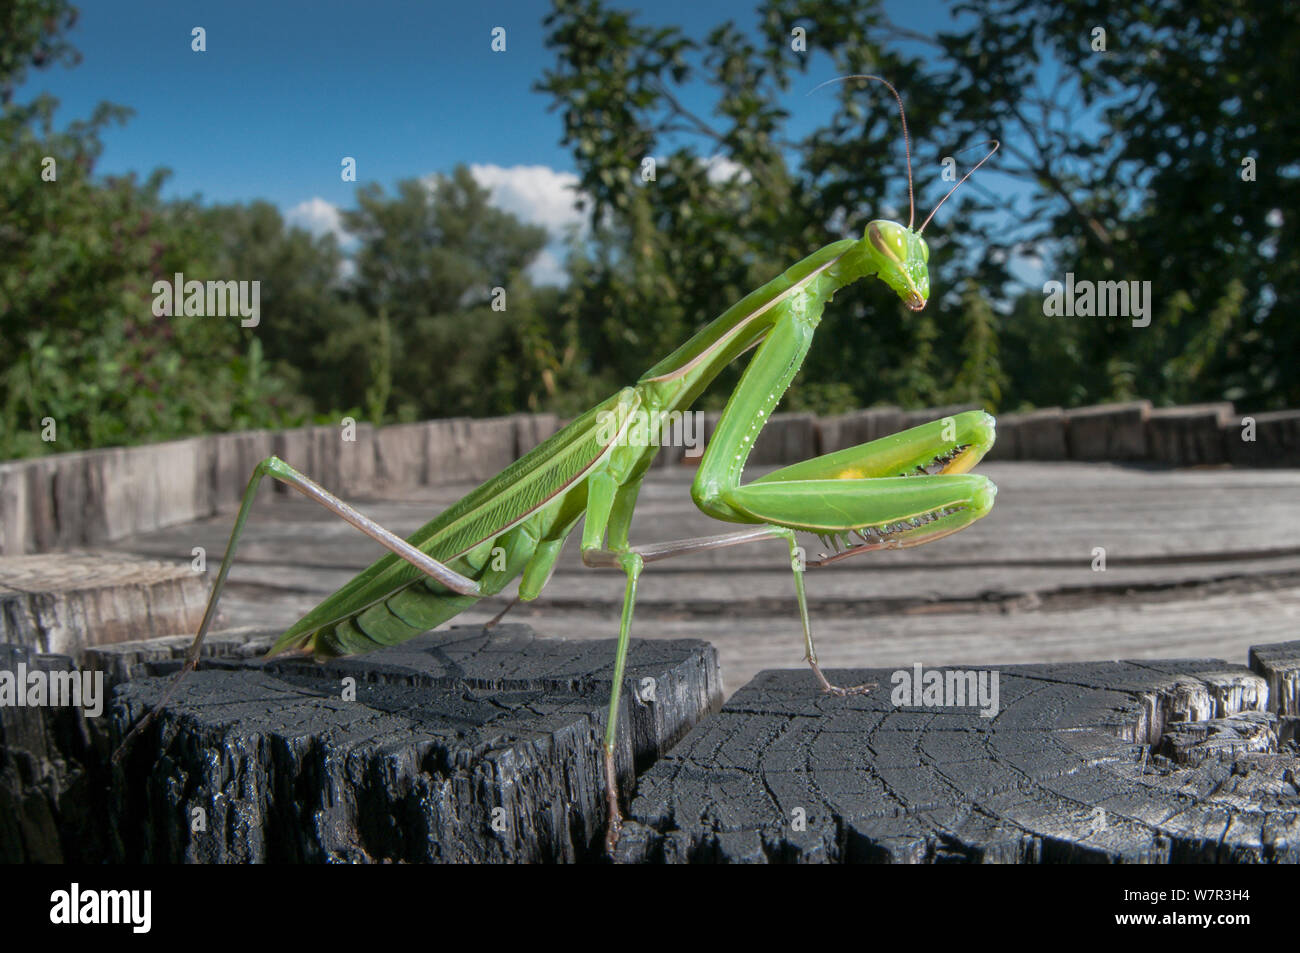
[902, 490]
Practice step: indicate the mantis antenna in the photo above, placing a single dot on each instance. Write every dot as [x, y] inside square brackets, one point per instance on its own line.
[986, 158]
[907, 143]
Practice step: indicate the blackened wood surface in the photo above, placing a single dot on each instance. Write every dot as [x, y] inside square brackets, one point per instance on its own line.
[52, 781]
[459, 746]
[1155, 762]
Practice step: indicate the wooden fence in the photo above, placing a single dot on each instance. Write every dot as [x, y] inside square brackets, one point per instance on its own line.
[97, 496]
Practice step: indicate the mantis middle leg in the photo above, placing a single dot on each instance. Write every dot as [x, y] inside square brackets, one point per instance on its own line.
[605, 544]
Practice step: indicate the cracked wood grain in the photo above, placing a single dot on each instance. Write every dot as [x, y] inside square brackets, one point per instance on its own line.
[459, 746]
[1153, 762]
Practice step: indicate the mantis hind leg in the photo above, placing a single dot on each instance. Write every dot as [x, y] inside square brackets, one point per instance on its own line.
[278, 469]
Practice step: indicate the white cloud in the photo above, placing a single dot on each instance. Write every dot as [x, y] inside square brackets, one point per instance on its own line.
[720, 169]
[538, 195]
[548, 268]
[320, 218]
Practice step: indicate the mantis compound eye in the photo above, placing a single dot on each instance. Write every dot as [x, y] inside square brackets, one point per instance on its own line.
[890, 239]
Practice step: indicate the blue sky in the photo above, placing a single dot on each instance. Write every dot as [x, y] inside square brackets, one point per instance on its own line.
[285, 90]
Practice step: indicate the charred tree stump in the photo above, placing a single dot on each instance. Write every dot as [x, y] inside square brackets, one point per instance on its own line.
[51, 780]
[467, 745]
[1152, 761]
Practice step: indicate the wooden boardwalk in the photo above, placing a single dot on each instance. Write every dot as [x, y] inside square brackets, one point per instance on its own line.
[1198, 563]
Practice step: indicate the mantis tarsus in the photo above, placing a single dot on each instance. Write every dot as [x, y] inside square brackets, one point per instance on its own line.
[898, 491]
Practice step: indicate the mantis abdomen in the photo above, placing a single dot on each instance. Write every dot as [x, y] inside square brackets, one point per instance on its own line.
[512, 526]
[421, 604]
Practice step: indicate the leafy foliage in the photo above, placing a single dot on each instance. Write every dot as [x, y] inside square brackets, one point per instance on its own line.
[1117, 164]
[79, 341]
[431, 260]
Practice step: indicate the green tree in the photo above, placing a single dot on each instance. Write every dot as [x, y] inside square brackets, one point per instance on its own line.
[447, 270]
[79, 341]
[321, 342]
[1181, 94]
[1130, 163]
[980, 379]
[730, 210]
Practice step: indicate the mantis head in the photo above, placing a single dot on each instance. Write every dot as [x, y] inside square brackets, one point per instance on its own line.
[900, 255]
[901, 259]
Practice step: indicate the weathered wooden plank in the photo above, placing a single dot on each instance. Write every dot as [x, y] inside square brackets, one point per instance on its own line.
[1183, 550]
[72, 499]
[1054, 513]
[314, 451]
[130, 490]
[711, 419]
[469, 448]
[914, 418]
[62, 603]
[1066, 763]
[47, 480]
[748, 589]
[341, 458]
[787, 438]
[232, 459]
[1188, 436]
[1037, 435]
[1115, 432]
[681, 438]
[96, 496]
[1006, 446]
[15, 511]
[461, 746]
[402, 455]
[357, 461]
[532, 430]
[1264, 440]
[1159, 625]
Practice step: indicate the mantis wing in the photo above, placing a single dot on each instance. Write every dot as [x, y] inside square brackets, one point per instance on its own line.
[554, 468]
